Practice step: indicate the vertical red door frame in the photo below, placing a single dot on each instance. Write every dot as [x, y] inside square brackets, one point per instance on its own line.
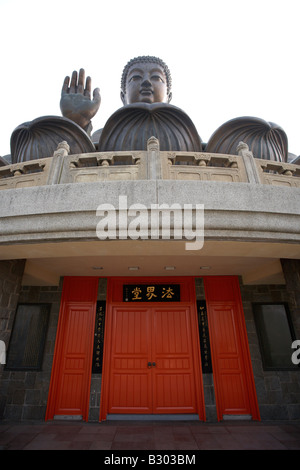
[71, 292]
[211, 288]
[114, 298]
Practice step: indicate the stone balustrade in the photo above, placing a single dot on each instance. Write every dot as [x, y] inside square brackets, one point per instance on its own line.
[62, 168]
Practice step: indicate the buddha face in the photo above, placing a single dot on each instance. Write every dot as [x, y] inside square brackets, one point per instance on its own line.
[145, 83]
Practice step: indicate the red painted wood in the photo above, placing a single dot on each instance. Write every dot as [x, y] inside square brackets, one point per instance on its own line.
[167, 335]
[174, 389]
[160, 335]
[130, 379]
[232, 370]
[71, 372]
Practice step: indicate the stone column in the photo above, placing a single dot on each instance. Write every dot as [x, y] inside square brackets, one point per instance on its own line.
[153, 156]
[11, 272]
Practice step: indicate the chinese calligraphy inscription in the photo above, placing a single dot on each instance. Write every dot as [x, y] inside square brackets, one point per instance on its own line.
[99, 338]
[151, 293]
[204, 337]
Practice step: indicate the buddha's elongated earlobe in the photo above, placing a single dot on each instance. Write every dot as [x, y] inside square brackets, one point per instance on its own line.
[122, 95]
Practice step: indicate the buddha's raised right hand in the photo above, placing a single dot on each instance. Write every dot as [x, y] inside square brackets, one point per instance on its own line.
[76, 103]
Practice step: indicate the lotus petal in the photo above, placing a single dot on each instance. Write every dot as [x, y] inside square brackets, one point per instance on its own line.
[130, 127]
[39, 138]
[265, 140]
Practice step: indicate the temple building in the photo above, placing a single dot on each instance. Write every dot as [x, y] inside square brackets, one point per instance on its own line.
[145, 273]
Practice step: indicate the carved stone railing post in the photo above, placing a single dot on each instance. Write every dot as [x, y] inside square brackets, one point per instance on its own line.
[250, 166]
[18, 170]
[62, 151]
[154, 171]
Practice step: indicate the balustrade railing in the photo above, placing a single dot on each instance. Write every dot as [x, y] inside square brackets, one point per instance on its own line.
[151, 164]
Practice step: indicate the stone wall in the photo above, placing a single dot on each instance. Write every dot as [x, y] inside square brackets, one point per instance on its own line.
[291, 270]
[278, 392]
[11, 272]
[26, 392]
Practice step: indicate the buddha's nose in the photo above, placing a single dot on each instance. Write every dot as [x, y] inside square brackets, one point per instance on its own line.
[146, 83]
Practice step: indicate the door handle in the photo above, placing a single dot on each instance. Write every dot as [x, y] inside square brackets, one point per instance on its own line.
[151, 364]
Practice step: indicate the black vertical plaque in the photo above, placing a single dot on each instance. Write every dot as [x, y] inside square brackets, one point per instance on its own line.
[204, 337]
[99, 338]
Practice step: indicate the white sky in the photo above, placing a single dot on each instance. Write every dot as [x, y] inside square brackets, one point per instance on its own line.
[228, 58]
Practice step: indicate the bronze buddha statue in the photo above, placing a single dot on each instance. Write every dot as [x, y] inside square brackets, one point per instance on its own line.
[146, 94]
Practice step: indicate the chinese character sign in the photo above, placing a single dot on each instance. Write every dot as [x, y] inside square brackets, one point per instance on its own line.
[151, 293]
[204, 337]
[98, 338]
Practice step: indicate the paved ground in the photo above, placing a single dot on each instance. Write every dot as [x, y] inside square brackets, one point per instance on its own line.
[153, 436]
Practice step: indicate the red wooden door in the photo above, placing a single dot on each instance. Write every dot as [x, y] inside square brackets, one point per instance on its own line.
[72, 392]
[130, 379]
[174, 388]
[232, 370]
[229, 364]
[152, 368]
[71, 372]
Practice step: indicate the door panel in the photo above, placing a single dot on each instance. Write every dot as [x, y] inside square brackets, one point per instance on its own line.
[229, 360]
[173, 375]
[74, 372]
[130, 377]
[232, 369]
[71, 372]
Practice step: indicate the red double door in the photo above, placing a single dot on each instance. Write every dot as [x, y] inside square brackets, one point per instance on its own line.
[153, 359]
[151, 354]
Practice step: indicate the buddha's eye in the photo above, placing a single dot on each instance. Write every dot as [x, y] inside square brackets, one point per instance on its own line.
[134, 78]
[157, 78]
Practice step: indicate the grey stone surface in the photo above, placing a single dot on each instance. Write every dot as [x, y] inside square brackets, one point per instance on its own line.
[24, 394]
[278, 392]
[239, 211]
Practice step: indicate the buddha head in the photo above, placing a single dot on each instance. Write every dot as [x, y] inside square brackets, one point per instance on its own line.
[146, 79]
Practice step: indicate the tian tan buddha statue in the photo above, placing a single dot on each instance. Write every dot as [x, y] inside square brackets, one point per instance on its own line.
[146, 112]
